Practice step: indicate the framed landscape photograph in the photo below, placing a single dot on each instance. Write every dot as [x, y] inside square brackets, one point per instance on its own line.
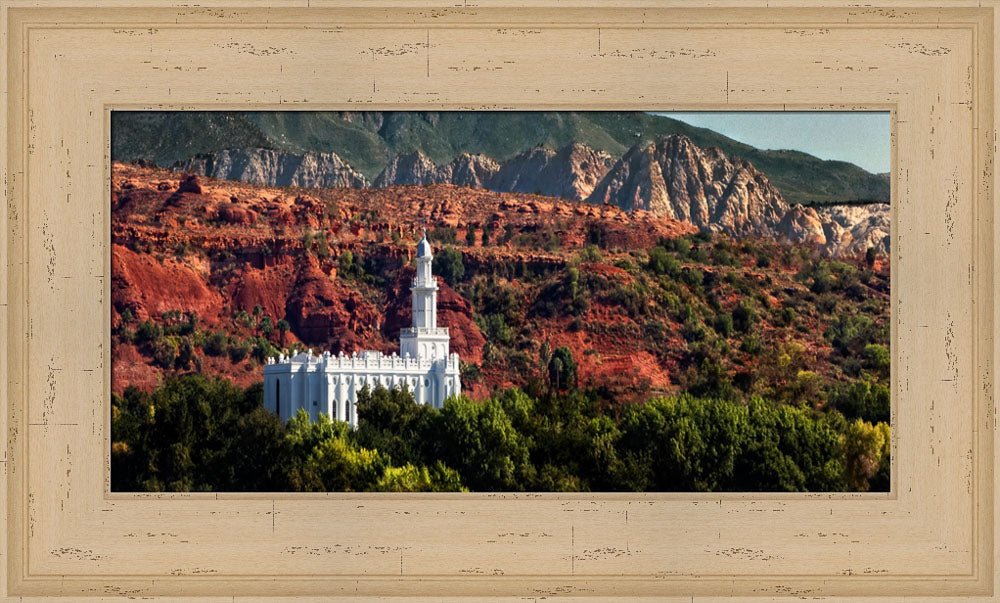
[546, 317]
[495, 301]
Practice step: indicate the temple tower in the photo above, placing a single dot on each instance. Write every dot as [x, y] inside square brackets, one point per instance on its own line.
[424, 340]
[330, 383]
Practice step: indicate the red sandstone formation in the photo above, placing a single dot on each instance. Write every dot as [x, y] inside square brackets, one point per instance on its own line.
[335, 264]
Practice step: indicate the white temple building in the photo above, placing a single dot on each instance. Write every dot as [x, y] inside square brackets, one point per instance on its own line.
[330, 383]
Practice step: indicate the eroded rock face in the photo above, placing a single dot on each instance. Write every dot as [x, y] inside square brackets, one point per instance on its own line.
[197, 254]
[276, 168]
[838, 229]
[859, 227]
[670, 177]
[475, 171]
[321, 311]
[149, 288]
[802, 225]
[415, 168]
[570, 173]
[675, 178]
[190, 184]
[411, 168]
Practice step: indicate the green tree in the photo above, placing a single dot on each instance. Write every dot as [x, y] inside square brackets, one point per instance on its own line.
[870, 257]
[850, 333]
[681, 444]
[239, 349]
[787, 449]
[497, 329]
[194, 433]
[481, 442]
[562, 369]
[185, 353]
[283, 327]
[336, 465]
[877, 359]
[165, 351]
[345, 262]
[591, 253]
[866, 447]
[577, 299]
[199, 434]
[148, 331]
[861, 400]
[660, 262]
[262, 350]
[266, 326]
[217, 344]
[449, 266]
[724, 324]
[693, 277]
[411, 478]
[744, 316]
[390, 421]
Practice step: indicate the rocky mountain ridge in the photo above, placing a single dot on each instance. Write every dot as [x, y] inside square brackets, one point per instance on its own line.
[417, 169]
[675, 178]
[670, 177]
[368, 140]
[267, 167]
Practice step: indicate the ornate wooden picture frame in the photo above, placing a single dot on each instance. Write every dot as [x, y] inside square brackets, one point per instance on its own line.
[65, 67]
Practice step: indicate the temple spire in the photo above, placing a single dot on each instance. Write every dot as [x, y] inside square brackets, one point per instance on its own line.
[423, 249]
[424, 288]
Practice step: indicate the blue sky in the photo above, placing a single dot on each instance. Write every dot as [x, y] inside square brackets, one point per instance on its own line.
[861, 138]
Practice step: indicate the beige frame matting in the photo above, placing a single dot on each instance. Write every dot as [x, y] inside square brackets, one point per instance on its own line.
[65, 68]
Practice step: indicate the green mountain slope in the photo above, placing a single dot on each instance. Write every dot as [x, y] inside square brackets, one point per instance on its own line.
[367, 140]
[166, 136]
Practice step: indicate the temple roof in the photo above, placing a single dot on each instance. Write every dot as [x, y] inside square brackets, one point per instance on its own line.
[424, 248]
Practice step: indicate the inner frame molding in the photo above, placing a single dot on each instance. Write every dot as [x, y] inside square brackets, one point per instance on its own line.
[65, 69]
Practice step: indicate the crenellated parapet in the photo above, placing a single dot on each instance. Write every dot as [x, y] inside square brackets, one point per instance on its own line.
[367, 360]
[414, 331]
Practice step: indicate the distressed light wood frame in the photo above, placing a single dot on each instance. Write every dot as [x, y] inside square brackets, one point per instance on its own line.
[65, 66]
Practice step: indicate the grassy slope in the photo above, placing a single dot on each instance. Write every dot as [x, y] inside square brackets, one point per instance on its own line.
[368, 140]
